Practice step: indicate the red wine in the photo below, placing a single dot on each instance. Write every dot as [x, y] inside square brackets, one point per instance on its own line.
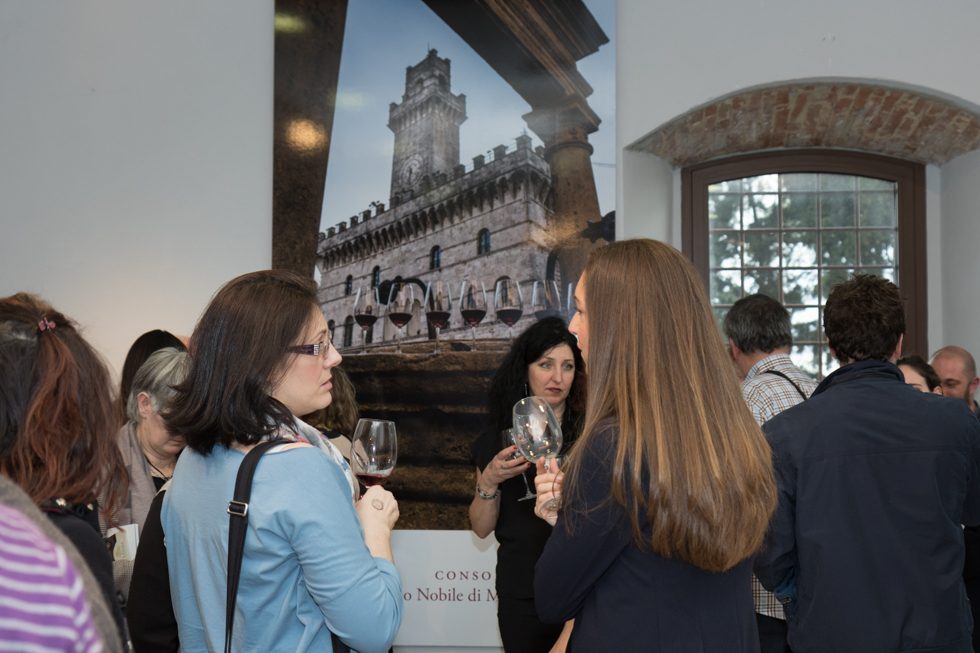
[399, 319]
[473, 316]
[438, 319]
[509, 316]
[366, 321]
[369, 480]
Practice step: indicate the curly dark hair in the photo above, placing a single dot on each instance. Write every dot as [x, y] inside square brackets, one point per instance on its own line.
[509, 383]
[864, 318]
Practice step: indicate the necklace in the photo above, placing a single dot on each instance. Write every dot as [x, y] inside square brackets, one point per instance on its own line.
[157, 469]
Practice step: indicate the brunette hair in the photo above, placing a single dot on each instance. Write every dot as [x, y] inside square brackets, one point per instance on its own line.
[924, 369]
[58, 421]
[239, 347]
[864, 319]
[342, 414]
[758, 323]
[690, 460]
[510, 381]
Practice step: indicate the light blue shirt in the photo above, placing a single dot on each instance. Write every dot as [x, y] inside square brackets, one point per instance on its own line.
[306, 567]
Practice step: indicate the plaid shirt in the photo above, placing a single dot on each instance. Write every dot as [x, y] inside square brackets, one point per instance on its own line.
[768, 395]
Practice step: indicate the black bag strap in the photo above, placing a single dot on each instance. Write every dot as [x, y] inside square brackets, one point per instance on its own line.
[778, 373]
[238, 528]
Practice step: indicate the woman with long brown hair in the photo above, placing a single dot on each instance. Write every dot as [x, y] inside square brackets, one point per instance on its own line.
[57, 428]
[669, 490]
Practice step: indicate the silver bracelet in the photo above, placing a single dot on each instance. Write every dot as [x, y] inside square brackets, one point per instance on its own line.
[485, 495]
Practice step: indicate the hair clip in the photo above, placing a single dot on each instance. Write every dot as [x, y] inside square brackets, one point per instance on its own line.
[45, 324]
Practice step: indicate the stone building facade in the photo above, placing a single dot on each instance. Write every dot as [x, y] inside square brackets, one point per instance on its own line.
[485, 221]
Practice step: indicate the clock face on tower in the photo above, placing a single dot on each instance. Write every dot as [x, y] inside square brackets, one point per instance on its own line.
[411, 171]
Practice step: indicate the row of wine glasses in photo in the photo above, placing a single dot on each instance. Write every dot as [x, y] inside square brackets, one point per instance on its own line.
[438, 298]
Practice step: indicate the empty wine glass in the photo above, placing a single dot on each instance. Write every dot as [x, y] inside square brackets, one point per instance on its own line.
[401, 303]
[373, 451]
[509, 439]
[365, 312]
[508, 303]
[438, 302]
[537, 429]
[473, 305]
[545, 299]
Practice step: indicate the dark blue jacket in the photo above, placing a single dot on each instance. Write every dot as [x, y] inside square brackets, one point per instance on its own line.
[875, 479]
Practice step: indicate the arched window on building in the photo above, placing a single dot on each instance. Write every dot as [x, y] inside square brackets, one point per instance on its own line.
[348, 330]
[376, 277]
[435, 258]
[483, 242]
[349, 285]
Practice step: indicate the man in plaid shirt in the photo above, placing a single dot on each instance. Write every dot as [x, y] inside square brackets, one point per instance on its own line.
[758, 330]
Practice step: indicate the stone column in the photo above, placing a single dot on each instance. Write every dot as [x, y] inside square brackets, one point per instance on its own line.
[565, 131]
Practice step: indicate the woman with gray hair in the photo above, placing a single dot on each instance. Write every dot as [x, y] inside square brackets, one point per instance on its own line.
[148, 450]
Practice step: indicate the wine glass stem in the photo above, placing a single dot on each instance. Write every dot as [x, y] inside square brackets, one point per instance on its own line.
[363, 341]
[398, 340]
[437, 340]
[473, 331]
[510, 330]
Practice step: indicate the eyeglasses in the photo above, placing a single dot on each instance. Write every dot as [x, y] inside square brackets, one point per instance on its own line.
[321, 349]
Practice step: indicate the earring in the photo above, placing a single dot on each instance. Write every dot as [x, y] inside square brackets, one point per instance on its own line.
[527, 390]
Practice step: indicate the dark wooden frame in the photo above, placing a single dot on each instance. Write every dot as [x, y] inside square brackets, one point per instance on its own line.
[911, 178]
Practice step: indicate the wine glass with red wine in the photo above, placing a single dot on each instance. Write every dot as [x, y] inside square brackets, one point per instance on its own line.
[438, 302]
[401, 305]
[473, 305]
[508, 303]
[373, 451]
[545, 299]
[365, 312]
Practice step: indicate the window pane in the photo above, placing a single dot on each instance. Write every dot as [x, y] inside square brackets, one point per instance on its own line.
[730, 186]
[800, 210]
[720, 314]
[804, 323]
[762, 281]
[836, 182]
[837, 210]
[759, 211]
[761, 184]
[726, 286]
[799, 286]
[761, 248]
[837, 248]
[870, 183]
[723, 211]
[887, 273]
[829, 362]
[878, 247]
[800, 248]
[805, 358]
[798, 181]
[828, 278]
[877, 210]
[725, 249]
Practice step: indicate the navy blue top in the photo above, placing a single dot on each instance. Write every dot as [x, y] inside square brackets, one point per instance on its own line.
[875, 479]
[624, 599]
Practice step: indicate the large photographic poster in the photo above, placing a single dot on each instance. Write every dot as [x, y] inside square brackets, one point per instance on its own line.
[444, 170]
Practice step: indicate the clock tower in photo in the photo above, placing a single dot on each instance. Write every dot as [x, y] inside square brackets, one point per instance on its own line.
[426, 125]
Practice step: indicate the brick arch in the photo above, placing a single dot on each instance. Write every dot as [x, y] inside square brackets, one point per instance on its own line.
[898, 122]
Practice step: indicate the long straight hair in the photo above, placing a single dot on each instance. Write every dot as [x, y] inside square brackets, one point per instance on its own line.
[58, 419]
[690, 460]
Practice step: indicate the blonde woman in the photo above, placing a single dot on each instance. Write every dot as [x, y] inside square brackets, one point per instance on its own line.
[669, 490]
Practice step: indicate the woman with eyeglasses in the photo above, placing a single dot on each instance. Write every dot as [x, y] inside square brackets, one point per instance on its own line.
[317, 560]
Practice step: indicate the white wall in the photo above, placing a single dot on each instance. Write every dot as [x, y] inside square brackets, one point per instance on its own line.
[135, 157]
[961, 252]
[676, 55]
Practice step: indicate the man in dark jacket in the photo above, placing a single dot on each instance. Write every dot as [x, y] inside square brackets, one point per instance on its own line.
[875, 481]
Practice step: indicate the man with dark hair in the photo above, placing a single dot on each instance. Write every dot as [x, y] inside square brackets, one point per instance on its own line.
[958, 372]
[760, 338]
[875, 478]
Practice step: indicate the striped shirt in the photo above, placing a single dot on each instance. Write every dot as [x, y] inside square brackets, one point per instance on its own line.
[42, 599]
[768, 395]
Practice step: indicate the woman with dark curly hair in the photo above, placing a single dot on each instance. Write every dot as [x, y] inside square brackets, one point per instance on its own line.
[544, 361]
[58, 426]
